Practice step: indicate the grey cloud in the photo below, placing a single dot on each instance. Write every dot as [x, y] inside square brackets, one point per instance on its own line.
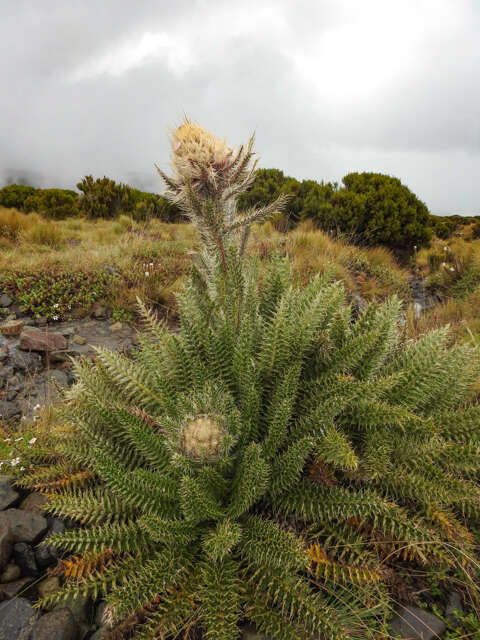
[422, 123]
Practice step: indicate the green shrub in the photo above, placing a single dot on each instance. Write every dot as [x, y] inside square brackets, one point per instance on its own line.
[476, 230]
[307, 199]
[150, 205]
[378, 209]
[442, 230]
[57, 204]
[275, 460]
[104, 198]
[14, 195]
[370, 208]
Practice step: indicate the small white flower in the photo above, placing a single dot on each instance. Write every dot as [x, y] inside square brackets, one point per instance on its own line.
[147, 273]
[11, 453]
[444, 264]
[415, 247]
[24, 417]
[151, 264]
[32, 440]
[56, 305]
[18, 439]
[452, 269]
[22, 468]
[445, 248]
[7, 440]
[1, 463]
[55, 317]
[36, 407]
[14, 462]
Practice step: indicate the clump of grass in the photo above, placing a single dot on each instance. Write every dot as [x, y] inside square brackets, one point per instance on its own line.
[13, 222]
[123, 224]
[44, 232]
[371, 273]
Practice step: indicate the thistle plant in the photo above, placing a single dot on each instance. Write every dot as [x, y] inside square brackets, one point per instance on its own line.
[275, 460]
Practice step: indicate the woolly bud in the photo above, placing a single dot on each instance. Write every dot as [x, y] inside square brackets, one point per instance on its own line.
[203, 438]
[199, 157]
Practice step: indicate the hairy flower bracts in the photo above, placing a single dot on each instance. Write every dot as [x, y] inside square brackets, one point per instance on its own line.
[271, 462]
[208, 176]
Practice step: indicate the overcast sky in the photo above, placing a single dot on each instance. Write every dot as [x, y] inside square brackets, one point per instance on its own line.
[328, 86]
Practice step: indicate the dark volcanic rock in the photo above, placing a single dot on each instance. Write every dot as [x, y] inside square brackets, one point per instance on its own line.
[5, 300]
[7, 495]
[58, 624]
[9, 409]
[26, 362]
[6, 543]
[25, 559]
[34, 502]
[46, 554]
[17, 618]
[454, 603]
[416, 624]
[11, 590]
[24, 526]
[10, 573]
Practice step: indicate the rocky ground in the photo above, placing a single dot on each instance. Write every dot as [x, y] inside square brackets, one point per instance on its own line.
[24, 575]
[35, 356]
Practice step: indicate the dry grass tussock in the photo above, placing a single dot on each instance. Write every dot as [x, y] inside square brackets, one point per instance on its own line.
[20, 229]
[370, 272]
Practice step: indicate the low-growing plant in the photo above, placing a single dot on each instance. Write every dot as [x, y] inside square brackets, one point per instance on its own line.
[275, 460]
[54, 294]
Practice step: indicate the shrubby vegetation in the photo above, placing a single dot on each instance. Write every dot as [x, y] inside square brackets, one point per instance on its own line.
[369, 208]
[100, 198]
[105, 198]
[56, 204]
[280, 459]
[14, 195]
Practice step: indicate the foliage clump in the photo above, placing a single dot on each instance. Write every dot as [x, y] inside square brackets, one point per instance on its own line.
[275, 460]
[369, 208]
[54, 294]
[105, 198]
[57, 204]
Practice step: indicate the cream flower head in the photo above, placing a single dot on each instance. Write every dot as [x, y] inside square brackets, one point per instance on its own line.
[199, 157]
[203, 438]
